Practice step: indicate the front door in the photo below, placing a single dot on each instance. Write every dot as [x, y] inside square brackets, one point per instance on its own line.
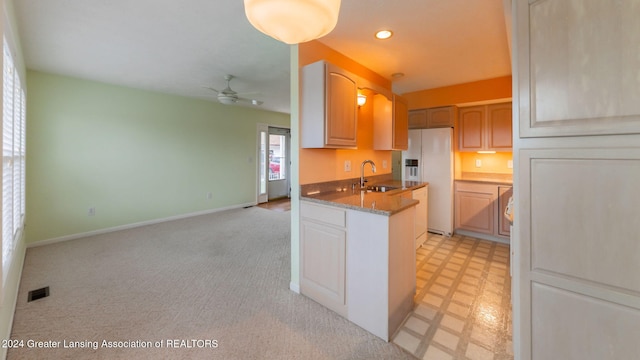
[278, 163]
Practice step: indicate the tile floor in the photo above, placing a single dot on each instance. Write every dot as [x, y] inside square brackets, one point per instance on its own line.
[463, 301]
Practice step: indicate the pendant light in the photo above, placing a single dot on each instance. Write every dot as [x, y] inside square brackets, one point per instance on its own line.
[293, 21]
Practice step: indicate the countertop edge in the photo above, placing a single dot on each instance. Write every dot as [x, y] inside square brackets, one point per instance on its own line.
[409, 203]
[479, 181]
[386, 208]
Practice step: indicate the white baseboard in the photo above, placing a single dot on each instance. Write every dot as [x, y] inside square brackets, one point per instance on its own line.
[134, 225]
[9, 296]
[294, 287]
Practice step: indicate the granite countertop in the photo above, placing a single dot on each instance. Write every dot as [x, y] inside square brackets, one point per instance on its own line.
[499, 179]
[382, 203]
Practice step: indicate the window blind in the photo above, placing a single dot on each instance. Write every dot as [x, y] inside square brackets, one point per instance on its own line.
[13, 158]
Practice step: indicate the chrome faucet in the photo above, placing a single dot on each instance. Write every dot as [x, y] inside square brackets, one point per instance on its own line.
[373, 168]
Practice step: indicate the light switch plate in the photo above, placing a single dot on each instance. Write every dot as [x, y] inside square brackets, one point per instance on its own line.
[510, 164]
[478, 163]
[384, 164]
[347, 165]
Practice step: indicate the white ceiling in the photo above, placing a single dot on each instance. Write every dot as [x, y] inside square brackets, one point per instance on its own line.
[180, 47]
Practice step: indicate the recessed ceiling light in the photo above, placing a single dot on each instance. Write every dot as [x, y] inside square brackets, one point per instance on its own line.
[397, 75]
[384, 34]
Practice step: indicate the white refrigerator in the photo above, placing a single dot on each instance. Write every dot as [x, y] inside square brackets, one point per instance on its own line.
[430, 159]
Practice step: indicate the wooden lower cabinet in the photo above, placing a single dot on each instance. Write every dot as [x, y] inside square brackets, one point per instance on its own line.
[479, 208]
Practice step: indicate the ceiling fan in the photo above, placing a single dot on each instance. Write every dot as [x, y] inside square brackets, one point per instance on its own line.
[229, 97]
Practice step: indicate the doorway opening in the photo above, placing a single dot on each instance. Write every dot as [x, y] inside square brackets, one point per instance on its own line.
[274, 181]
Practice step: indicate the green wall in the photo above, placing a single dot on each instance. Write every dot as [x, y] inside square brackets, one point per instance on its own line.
[133, 155]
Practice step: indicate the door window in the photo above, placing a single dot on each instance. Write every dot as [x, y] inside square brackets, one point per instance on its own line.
[277, 157]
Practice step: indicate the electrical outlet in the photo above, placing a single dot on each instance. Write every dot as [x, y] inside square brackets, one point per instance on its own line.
[478, 163]
[384, 164]
[347, 165]
[92, 211]
[510, 164]
[209, 195]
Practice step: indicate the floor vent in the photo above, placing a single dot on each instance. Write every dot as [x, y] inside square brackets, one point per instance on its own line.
[248, 206]
[38, 294]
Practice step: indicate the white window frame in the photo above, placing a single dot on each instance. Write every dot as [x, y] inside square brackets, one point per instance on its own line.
[13, 159]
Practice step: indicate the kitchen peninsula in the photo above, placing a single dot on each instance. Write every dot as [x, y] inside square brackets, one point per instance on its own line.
[357, 251]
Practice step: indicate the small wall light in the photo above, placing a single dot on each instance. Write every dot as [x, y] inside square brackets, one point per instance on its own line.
[362, 99]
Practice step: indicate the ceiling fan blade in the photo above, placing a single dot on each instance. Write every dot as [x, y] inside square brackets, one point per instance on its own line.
[210, 88]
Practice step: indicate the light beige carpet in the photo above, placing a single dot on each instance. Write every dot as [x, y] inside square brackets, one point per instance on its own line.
[222, 277]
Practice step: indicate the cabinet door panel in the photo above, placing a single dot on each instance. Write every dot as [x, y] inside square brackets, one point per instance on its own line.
[475, 211]
[499, 127]
[471, 121]
[341, 124]
[578, 72]
[400, 123]
[418, 119]
[441, 117]
[421, 211]
[323, 251]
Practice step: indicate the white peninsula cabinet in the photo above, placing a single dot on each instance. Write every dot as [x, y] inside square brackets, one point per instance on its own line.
[360, 264]
[422, 215]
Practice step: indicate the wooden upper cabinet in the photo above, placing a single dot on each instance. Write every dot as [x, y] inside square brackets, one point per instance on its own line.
[441, 117]
[418, 119]
[400, 123]
[341, 123]
[499, 127]
[433, 117]
[471, 128]
[485, 128]
[390, 123]
[328, 107]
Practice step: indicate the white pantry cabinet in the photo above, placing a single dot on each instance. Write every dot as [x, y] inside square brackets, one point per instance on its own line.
[576, 260]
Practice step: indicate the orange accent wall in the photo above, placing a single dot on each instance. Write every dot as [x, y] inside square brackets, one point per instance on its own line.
[319, 165]
[313, 51]
[483, 90]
